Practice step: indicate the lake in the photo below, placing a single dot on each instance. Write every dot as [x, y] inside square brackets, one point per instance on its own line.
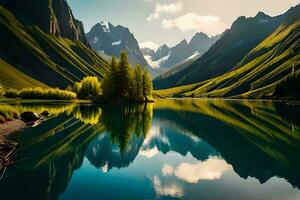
[172, 149]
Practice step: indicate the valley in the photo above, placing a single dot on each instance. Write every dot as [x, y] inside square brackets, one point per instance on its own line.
[149, 99]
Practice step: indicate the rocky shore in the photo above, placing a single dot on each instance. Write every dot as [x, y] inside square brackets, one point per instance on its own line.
[7, 147]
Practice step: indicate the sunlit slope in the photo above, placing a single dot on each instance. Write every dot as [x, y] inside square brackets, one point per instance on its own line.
[277, 57]
[52, 60]
[12, 78]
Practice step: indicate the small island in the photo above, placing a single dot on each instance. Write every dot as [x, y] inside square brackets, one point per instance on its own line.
[121, 83]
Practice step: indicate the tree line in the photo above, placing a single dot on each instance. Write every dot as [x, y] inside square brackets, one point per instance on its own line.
[120, 83]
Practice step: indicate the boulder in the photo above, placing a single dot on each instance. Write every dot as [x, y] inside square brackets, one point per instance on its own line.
[45, 113]
[30, 117]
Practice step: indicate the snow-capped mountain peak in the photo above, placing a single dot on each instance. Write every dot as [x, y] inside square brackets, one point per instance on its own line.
[105, 27]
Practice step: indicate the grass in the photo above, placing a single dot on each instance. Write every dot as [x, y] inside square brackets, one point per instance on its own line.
[13, 78]
[8, 113]
[272, 61]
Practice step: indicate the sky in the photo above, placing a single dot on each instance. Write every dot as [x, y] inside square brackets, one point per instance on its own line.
[157, 22]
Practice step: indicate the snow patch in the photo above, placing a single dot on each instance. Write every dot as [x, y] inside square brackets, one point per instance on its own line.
[116, 43]
[194, 55]
[96, 39]
[263, 21]
[105, 27]
[156, 64]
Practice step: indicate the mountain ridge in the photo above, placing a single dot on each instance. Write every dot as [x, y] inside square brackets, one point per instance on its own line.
[237, 41]
[269, 70]
[106, 38]
[167, 57]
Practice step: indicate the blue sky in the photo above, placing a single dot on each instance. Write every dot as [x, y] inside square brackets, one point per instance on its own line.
[170, 21]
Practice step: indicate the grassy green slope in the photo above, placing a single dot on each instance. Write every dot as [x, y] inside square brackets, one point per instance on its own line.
[272, 61]
[12, 78]
[54, 61]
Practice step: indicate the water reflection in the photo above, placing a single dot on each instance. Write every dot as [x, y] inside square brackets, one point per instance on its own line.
[172, 149]
[126, 129]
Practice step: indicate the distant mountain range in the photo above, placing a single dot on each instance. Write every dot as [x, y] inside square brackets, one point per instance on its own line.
[42, 44]
[245, 63]
[110, 40]
[166, 57]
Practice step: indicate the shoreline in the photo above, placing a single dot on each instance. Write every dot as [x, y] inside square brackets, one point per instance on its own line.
[7, 146]
[7, 128]
[295, 102]
[15, 101]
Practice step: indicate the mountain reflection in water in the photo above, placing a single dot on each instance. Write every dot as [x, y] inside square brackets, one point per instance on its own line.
[170, 149]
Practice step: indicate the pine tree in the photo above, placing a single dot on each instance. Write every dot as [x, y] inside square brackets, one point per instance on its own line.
[138, 78]
[147, 85]
[121, 82]
[109, 80]
[124, 77]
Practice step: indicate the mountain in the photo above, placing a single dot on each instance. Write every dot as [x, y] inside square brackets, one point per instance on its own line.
[147, 52]
[177, 54]
[201, 42]
[111, 40]
[161, 52]
[54, 17]
[44, 45]
[269, 70]
[180, 66]
[227, 52]
[166, 57]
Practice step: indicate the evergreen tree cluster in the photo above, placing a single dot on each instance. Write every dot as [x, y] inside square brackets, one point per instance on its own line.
[123, 83]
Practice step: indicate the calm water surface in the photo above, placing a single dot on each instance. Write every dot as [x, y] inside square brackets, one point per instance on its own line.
[191, 149]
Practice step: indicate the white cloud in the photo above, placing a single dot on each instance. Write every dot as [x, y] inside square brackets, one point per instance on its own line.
[165, 8]
[167, 170]
[211, 169]
[172, 190]
[149, 44]
[191, 21]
